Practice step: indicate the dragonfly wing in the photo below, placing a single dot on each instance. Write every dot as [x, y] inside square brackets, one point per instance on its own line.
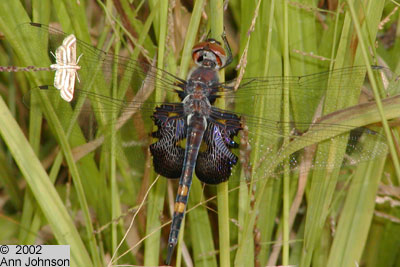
[307, 93]
[168, 155]
[309, 84]
[98, 68]
[214, 164]
[334, 145]
[87, 119]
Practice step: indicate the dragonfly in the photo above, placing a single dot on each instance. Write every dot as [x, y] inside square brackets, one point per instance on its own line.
[195, 136]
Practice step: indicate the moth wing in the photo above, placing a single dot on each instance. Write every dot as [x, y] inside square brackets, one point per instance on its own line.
[70, 47]
[67, 84]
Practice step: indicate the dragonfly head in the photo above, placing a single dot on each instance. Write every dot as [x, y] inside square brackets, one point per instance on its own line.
[209, 54]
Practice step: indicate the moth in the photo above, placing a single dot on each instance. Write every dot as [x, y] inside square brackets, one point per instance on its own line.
[66, 67]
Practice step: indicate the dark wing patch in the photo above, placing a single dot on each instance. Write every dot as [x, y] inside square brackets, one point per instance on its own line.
[214, 165]
[167, 153]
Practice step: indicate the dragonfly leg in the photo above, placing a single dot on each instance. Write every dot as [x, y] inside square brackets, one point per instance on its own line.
[227, 49]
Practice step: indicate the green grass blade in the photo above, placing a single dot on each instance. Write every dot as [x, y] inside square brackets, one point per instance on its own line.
[156, 198]
[200, 229]
[217, 28]
[374, 85]
[43, 190]
[350, 238]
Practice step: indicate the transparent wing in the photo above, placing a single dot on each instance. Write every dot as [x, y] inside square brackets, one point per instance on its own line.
[333, 145]
[307, 93]
[266, 142]
[90, 118]
[100, 70]
[308, 85]
[270, 138]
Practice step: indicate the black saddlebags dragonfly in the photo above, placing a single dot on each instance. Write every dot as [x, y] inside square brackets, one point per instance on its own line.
[210, 131]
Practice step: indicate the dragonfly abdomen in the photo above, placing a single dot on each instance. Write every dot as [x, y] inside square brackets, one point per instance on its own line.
[195, 132]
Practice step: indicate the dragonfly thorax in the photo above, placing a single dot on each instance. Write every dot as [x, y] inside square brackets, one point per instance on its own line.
[202, 82]
[207, 76]
[196, 104]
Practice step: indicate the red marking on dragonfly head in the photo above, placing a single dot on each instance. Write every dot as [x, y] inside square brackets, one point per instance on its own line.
[209, 54]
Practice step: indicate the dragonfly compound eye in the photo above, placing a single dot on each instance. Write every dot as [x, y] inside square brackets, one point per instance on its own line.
[209, 54]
